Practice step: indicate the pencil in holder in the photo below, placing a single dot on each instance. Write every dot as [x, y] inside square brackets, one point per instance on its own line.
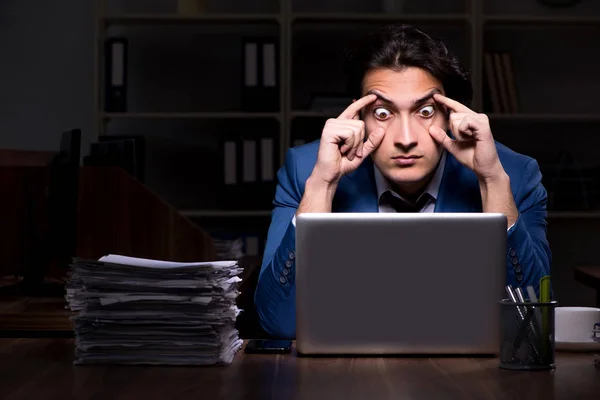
[527, 335]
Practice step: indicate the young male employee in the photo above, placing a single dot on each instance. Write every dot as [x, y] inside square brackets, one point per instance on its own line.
[408, 143]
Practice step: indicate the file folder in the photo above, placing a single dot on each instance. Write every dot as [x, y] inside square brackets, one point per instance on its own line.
[260, 74]
[115, 79]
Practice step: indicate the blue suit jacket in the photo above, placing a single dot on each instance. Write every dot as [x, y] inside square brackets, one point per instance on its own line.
[528, 254]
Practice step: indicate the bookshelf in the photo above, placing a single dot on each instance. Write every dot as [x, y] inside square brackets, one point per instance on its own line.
[377, 17]
[533, 20]
[140, 19]
[573, 215]
[311, 35]
[196, 115]
[514, 117]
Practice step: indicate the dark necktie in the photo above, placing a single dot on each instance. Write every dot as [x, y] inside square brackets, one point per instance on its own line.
[402, 206]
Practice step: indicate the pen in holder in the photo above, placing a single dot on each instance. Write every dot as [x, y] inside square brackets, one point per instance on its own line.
[596, 338]
[527, 335]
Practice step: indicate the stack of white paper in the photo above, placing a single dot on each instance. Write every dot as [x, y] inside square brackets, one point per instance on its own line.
[140, 311]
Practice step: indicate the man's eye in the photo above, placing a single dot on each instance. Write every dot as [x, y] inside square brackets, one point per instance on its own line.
[381, 113]
[427, 111]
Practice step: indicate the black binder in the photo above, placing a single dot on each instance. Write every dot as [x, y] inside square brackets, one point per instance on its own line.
[243, 152]
[260, 74]
[115, 74]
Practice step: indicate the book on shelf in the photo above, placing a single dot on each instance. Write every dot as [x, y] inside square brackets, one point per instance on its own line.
[229, 248]
[250, 163]
[571, 186]
[329, 103]
[260, 74]
[115, 74]
[501, 96]
[234, 244]
[298, 142]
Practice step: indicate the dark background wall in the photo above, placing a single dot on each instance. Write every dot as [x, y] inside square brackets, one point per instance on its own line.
[49, 80]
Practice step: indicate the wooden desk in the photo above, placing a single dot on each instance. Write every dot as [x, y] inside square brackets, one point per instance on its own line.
[589, 276]
[22, 316]
[42, 368]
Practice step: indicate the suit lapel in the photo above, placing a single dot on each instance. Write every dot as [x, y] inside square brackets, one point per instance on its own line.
[357, 191]
[459, 190]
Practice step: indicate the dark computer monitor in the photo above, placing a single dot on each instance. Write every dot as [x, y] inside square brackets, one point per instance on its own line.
[125, 151]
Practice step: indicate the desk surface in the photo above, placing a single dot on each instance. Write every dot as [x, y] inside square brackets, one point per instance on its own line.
[31, 368]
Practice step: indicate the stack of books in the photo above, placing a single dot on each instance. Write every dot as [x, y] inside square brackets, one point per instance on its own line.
[140, 311]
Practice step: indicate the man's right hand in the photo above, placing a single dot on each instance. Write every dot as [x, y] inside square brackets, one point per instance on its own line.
[342, 148]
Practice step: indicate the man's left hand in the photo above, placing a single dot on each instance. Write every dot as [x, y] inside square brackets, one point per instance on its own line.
[473, 145]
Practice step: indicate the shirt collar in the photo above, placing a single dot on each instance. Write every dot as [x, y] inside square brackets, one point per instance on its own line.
[432, 188]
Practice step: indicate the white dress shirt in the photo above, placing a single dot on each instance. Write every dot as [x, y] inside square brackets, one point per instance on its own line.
[432, 188]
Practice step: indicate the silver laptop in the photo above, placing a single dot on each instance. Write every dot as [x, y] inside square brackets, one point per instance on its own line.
[418, 283]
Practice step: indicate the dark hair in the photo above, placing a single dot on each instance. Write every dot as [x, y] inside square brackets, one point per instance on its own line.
[400, 46]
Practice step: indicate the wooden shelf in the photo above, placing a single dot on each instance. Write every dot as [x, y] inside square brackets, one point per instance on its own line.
[378, 17]
[540, 20]
[197, 115]
[126, 19]
[518, 117]
[123, 19]
[224, 213]
[524, 117]
[574, 214]
[312, 114]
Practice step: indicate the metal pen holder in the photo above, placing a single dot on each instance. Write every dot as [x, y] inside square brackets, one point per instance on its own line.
[527, 336]
[596, 338]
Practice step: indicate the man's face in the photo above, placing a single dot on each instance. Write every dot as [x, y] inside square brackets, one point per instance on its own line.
[405, 108]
